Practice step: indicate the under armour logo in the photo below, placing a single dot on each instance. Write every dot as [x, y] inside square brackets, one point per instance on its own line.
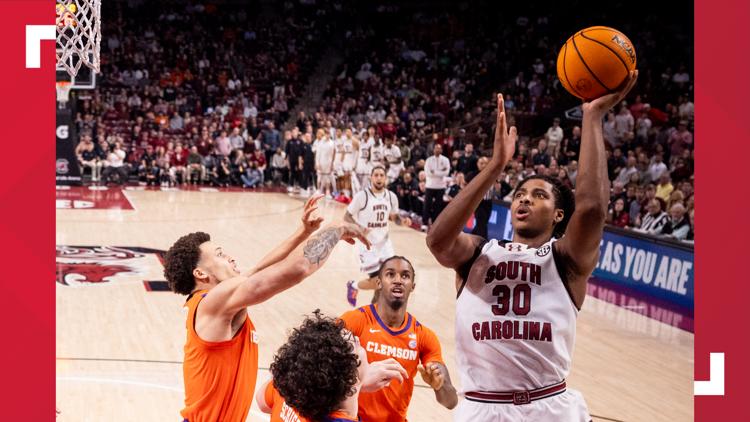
[514, 247]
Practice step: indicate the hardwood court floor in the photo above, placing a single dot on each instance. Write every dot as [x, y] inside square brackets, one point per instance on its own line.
[119, 346]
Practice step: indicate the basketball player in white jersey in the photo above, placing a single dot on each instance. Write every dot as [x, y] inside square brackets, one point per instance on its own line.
[345, 161]
[372, 208]
[325, 151]
[517, 301]
[363, 158]
[392, 156]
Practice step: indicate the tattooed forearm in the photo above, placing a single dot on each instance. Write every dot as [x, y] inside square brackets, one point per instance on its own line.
[318, 248]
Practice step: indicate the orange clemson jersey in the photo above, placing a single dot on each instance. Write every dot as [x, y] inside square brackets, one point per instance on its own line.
[410, 344]
[282, 412]
[219, 376]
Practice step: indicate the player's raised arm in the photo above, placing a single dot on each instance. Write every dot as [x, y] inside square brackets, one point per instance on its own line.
[579, 248]
[450, 246]
[229, 296]
[310, 223]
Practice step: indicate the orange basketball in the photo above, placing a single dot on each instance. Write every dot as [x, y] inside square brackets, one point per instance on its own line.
[595, 62]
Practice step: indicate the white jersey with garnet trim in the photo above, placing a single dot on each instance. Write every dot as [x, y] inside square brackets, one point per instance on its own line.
[515, 320]
[372, 211]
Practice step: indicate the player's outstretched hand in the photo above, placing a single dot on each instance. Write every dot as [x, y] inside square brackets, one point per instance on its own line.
[605, 103]
[379, 374]
[505, 138]
[350, 232]
[309, 222]
[432, 375]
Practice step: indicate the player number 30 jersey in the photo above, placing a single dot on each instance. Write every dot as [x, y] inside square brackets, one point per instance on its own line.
[515, 320]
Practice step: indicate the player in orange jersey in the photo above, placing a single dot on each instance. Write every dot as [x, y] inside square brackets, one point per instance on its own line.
[221, 349]
[320, 371]
[386, 330]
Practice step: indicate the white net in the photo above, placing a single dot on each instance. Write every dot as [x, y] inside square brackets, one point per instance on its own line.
[79, 34]
[63, 91]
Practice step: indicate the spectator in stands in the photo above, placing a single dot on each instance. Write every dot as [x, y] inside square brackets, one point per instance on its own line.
[617, 214]
[437, 167]
[624, 176]
[665, 187]
[253, 177]
[115, 165]
[279, 167]
[624, 124]
[680, 140]
[407, 190]
[467, 162]
[678, 225]
[554, 136]
[270, 139]
[222, 145]
[306, 163]
[539, 155]
[654, 219]
[196, 170]
[634, 206]
[147, 169]
[235, 140]
[178, 164]
[259, 159]
[220, 176]
[87, 157]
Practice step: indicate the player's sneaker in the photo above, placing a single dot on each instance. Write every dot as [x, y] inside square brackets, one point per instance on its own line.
[351, 293]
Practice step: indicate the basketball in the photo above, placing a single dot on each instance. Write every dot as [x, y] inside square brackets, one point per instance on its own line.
[595, 61]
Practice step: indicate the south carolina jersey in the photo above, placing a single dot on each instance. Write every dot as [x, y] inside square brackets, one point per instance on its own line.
[515, 320]
[363, 158]
[376, 155]
[372, 211]
[410, 344]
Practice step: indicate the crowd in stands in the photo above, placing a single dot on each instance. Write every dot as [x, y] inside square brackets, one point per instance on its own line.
[202, 96]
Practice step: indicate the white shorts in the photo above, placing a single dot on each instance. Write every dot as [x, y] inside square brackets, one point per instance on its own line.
[566, 407]
[327, 178]
[370, 260]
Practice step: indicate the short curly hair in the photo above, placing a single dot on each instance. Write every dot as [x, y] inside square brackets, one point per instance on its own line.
[564, 199]
[180, 261]
[316, 369]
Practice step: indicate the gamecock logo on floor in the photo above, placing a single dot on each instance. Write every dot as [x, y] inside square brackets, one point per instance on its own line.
[87, 265]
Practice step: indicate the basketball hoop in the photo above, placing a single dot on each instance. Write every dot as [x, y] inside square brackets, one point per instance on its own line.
[78, 34]
[63, 91]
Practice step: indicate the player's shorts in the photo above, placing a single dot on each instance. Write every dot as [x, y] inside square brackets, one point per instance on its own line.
[568, 406]
[326, 178]
[370, 260]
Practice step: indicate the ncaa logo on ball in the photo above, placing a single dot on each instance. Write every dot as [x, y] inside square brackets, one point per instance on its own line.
[543, 251]
[61, 166]
[413, 344]
[62, 131]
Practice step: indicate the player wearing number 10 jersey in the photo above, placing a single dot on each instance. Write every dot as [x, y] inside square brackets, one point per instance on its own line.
[517, 302]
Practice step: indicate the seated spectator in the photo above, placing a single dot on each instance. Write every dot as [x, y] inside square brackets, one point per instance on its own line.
[279, 167]
[196, 170]
[259, 158]
[459, 182]
[665, 187]
[624, 176]
[147, 166]
[657, 167]
[253, 176]
[678, 224]
[617, 215]
[220, 176]
[115, 165]
[655, 218]
[178, 164]
[87, 157]
[634, 206]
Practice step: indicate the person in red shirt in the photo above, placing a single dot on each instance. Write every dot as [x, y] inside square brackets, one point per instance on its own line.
[178, 164]
[321, 370]
[386, 330]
